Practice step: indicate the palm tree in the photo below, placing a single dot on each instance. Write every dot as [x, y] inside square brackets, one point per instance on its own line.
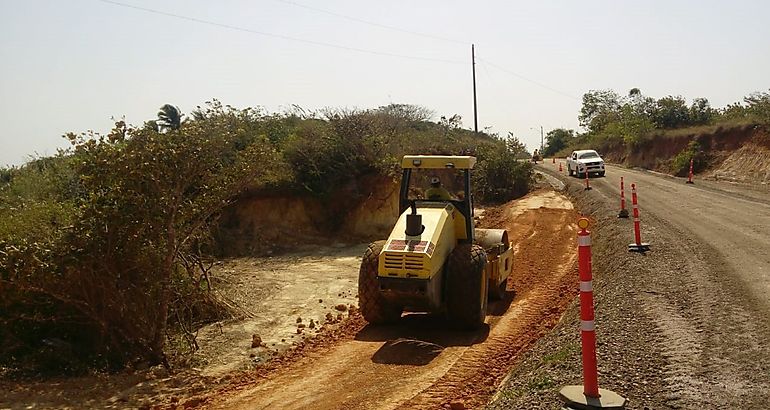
[169, 117]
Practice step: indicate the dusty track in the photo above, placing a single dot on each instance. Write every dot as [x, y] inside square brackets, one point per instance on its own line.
[420, 364]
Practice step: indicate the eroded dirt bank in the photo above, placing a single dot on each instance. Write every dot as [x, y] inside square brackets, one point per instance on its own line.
[738, 153]
[420, 364]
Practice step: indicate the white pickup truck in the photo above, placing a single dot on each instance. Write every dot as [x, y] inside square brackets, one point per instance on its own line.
[582, 161]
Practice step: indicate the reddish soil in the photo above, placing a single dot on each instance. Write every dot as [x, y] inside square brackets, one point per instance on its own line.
[347, 363]
[419, 363]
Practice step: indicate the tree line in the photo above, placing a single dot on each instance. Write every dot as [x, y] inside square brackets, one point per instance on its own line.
[106, 247]
[613, 119]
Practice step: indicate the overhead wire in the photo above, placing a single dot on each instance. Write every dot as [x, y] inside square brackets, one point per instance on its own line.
[338, 46]
[373, 23]
[528, 79]
[280, 36]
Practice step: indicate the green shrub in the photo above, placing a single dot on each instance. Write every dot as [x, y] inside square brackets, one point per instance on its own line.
[98, 244]
[499, 176]
[680, 164]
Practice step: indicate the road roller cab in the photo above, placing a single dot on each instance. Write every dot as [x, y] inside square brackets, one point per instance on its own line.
[434, 260]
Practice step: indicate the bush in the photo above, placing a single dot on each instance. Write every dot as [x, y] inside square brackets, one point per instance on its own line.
[498, 176]
[680, 164]
[101, 247]
[140, 208]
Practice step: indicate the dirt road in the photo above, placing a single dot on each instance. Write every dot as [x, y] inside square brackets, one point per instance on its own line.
[420, 364]
[705, 288]
[734, 222]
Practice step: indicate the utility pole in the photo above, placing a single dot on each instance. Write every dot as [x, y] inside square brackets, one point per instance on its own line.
[541, 140]
[475, 112]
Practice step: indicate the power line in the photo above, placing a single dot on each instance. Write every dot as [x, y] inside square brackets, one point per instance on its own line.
[373, 23]
[280, 36]
[530, 80]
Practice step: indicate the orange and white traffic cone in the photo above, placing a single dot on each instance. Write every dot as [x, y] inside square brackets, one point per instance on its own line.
[637, 246]
[623, 211]
[689, 174]
[589, 395]
[560, 170]
[588, 187]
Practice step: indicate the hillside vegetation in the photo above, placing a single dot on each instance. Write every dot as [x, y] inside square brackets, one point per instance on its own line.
[667, 130]
[105, 247]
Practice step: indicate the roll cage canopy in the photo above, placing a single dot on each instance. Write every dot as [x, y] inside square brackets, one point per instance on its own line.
[438, 161]
[464, 163]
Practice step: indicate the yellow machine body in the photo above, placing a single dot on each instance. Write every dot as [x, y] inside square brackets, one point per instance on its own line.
[411, 269]
[422, 256]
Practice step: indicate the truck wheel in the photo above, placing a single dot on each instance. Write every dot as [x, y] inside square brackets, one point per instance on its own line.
[466, 290]
[569, 170]
[373, 306]
[497, 292]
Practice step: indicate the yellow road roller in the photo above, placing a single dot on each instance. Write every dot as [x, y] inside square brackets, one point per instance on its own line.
[435, 260]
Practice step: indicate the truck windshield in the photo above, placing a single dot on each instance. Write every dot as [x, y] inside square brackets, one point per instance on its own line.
[588, 155]
[436, 185]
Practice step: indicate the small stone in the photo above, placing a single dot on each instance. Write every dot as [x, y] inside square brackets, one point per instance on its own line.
[341, 307]
[299, 330]
[256, 341]
[329, 317]
[299, 320]
[300, 326]
[320, 301]
[252, 355]
[283, 340]
[339, 317]
[312, 324]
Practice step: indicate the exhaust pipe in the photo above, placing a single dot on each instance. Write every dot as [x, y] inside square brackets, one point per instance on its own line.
[414, 225]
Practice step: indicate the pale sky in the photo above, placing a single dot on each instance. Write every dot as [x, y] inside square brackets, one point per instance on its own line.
[70, 65]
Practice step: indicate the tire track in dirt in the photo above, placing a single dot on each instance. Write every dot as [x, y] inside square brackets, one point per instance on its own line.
[544, 289]
[709, 333]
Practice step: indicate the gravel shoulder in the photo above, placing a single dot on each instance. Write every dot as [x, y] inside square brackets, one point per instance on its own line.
[682, 326]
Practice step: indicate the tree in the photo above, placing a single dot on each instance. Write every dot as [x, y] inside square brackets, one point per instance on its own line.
[633, 126]
[515, 147]
[450, 124]
[671, 112]
[144, 206]
[701, 112]
[499, 176]
[556, 140]
[600, 107]
[759, 106]
[169, 117]
[407, 112]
